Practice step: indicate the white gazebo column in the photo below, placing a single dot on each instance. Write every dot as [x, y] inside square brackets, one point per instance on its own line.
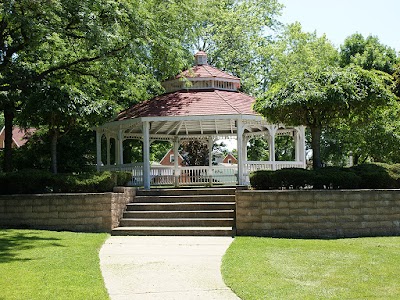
[272, 132]
[296, 137]
[146, 155]
[240, 130]
[176, 162]
[210, 147]
[302, 145]
[98, 149]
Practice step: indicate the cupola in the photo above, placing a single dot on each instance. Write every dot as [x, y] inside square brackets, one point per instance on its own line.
[202, 76]
[200, 58]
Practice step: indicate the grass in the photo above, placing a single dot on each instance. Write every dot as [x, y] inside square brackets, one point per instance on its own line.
[38, 264]
[266, 268]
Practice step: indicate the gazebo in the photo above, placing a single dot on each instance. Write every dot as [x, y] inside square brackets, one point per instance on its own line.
[202, 103]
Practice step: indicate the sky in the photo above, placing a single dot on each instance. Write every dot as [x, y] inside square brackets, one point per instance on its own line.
[340, 18]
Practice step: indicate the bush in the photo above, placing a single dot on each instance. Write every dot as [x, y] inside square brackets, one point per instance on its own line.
[284, 178]
[377, 176]
[262, 180]
[335, 178]
[294, 178]
[37, 181]
[366, 176]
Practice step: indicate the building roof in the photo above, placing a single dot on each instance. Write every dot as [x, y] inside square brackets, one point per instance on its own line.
[20, 136]
[192, 103]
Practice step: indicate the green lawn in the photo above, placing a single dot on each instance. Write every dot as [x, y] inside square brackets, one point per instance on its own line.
[266, 268]
[38, 264]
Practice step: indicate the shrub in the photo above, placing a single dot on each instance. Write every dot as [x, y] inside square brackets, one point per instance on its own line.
[26, 182]
[293, 178]
[262, 180]
[336, 178]
[375, 176]
[366, 176]
[284, 178]
[37, 181]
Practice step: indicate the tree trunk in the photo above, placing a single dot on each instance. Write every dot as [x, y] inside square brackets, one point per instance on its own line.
[54, 140]
[316, 146]
[8, 124]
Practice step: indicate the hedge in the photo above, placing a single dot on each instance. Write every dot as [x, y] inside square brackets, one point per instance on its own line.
[366, 176]
[38, 182]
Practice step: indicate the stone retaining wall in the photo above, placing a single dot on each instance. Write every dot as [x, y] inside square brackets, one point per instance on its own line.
[73, 212]
[318, 214]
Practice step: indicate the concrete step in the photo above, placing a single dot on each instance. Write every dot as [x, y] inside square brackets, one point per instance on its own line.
[187, 191]
[171, 231]
[185, 198]
[228, 213]
[184, 206]
[178, 222]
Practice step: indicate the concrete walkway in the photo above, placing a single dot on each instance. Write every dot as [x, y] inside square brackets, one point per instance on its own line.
[180, 268]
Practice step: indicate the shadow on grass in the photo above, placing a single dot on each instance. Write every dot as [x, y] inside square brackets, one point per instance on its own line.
[14, 242]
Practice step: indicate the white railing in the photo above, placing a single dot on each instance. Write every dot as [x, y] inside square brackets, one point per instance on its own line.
[198, 175]
[252, 166]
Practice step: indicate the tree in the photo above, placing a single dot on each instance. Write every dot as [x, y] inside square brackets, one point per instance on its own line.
[396, 76]
[377, 137]
[120, 47]
[233, 33]
[367, 53]
[309, 88]
[195, 153]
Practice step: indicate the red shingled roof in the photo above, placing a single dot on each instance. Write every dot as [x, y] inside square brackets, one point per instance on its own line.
[202, 71]
[192, 103]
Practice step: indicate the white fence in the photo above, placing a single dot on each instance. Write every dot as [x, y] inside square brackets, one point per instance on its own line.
[198, 175]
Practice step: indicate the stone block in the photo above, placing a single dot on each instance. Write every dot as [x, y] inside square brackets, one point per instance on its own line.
[370, 224]
[283, 204]
[355, 203]
[19, 209]
[368, 210]
[280, 212]
[248, 219]
[269, 204]
[308, 219]
[40, 208]
[387, 224]
[349, 218]
[352, 211]
[384, 210]
[306, 204]
[102, 213]
[356, 232]
[326, 219]
[318, 212]
[325, 204]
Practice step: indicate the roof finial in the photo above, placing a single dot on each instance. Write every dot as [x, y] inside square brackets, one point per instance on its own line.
[200, 58]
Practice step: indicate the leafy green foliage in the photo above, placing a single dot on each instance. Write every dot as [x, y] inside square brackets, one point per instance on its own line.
[76, 151]
[234, 34]
[367, 53]
[257, 150]
[82, 60]
[308, 87]
[195, 153]
[366, 176]
[38, 181]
